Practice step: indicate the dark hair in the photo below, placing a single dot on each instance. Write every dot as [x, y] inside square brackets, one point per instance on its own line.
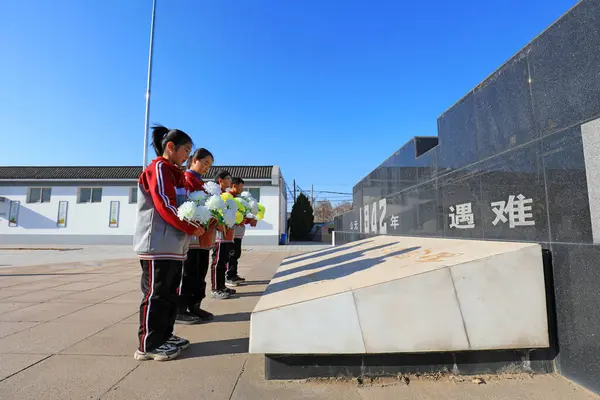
[223, 174]
[237, 181]
[199, 154]
[161, 136]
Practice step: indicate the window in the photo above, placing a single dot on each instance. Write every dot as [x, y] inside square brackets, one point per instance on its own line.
[39, 195]
[255, 192]
[90, 195]
[133, 192]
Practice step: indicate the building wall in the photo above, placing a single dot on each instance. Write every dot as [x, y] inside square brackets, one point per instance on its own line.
[82, 218]
[269, 226]
[531, 129]
[88, 223]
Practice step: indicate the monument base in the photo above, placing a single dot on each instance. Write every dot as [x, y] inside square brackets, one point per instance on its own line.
[283, 367]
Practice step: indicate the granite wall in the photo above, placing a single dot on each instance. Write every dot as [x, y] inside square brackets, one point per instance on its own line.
[518, 158]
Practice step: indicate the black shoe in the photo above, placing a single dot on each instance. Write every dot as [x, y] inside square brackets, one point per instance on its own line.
[178, 342]
[188, 319]
[240, 279]
[202, 314]
[230, 291]
[232, 283]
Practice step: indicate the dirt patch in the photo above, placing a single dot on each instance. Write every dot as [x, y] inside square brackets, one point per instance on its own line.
[407, 379]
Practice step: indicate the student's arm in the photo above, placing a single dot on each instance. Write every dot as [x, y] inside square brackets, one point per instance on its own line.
[164, 197]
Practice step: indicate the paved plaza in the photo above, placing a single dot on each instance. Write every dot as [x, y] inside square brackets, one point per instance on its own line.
[68, 331]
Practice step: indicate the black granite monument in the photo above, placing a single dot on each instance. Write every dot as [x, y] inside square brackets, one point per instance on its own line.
[518, 158]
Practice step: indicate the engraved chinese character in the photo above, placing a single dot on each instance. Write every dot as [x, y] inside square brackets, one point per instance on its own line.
[351, 225]
[394, 222]
[462, 216]
[355, 225]
[515, 211]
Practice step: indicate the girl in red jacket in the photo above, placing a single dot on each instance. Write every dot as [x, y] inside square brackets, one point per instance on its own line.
[161, 241]
[195, 268]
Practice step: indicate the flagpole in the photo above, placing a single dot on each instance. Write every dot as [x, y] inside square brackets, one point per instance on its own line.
[148, 84]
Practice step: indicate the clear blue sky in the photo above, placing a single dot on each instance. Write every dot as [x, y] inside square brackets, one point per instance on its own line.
[326, 89]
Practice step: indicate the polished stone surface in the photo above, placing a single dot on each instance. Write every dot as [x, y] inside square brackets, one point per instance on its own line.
[564, 64]
[577, 279]
[455, 295]
[517, 160]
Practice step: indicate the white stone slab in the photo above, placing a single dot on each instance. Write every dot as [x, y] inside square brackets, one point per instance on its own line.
[327, 325]
[412, 314]
[503, 300]
[406, 299]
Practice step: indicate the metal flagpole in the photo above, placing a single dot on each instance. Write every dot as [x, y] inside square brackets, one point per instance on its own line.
[148, 83]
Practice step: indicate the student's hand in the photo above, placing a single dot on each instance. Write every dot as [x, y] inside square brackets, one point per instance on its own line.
[199, 231]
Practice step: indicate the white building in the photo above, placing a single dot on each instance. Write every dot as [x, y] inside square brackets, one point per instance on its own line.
[97, 205]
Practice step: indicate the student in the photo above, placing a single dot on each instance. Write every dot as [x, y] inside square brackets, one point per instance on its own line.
[161, 241]
[232, 277]
[221, 251]
[195, 268]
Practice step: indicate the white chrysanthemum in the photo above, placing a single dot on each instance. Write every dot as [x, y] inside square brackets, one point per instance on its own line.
[229, 218]
[231, 205]
[250, 216]
[246, 195]
[198, 196]
[215, 203]
[253, 207]
[186, 210]
[202, 215]
[212, 188]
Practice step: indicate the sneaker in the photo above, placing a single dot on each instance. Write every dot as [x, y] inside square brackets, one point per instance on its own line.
[232, 282]
[220, 294]
[231, 291]
[178, 342]
[187, 319]
[203, 314]
[240, 279]
[164, 352]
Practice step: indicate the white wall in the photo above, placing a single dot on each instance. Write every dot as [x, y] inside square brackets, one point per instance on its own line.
[269, 197]
[92, 218]
[82, 219]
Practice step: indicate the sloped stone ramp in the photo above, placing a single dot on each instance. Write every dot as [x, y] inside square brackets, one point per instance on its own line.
[404, 295]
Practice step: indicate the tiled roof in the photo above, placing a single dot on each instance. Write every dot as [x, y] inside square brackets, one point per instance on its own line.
[126, 172]
[241, 171]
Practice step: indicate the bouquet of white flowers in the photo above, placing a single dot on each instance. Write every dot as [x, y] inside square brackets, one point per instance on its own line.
[202, 209]
[254, 211]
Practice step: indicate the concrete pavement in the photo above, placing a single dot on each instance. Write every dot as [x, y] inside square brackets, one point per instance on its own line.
[68, 331]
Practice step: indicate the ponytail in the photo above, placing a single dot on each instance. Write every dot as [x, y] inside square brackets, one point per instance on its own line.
[161, 136]
[199, 154]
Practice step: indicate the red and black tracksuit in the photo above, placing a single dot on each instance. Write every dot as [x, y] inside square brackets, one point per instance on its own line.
[195, 268]
[161, 241]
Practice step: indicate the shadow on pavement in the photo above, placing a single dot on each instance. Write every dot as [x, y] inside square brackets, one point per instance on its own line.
[217, 348]
[234, 317]
[247, 283]
[248, 294]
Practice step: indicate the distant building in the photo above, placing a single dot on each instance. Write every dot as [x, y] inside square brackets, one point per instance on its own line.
[97, 205]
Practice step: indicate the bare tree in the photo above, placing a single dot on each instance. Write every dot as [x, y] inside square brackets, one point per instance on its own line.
[323, 211]
[342, 208]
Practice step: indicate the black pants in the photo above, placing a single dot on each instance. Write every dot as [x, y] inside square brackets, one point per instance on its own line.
[220, 258]
[160, 281]
[232, 266]
[193, 283]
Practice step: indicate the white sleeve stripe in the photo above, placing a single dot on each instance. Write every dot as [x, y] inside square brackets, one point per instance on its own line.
[161, 191]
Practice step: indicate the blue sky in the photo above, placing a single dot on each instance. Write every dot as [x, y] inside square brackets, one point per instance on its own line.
[325, 89]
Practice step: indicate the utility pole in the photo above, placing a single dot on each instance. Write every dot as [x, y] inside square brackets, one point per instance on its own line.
[312, 195]
[294, 190]
[148, 84]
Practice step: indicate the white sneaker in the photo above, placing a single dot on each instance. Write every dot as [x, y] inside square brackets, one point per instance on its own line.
[164, 352]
